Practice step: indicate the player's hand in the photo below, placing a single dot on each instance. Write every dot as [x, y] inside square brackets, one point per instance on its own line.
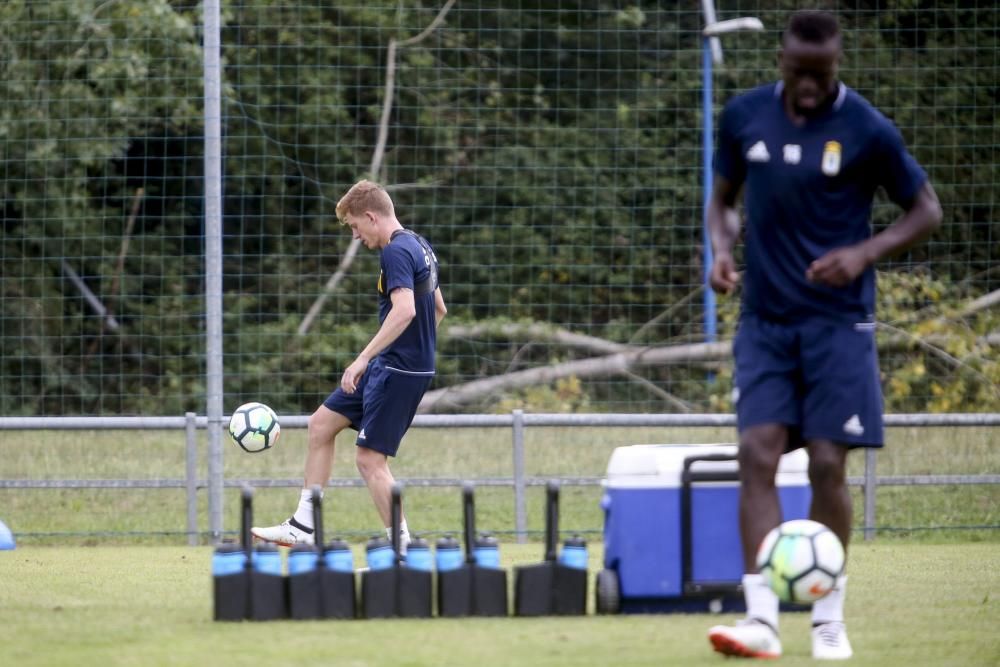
[351, 377]
[838, 268]
[723, 278]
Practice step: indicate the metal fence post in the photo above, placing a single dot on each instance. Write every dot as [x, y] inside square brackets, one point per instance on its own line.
[191, 476]
[212, 68]
[520, 515]
[871, 484]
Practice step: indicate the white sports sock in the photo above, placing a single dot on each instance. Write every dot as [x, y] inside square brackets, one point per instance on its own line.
[404, 532]
[304, 513]
[830, 607]
[762, 602]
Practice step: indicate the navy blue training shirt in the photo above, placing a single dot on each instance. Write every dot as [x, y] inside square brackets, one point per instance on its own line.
[409, 261]
[809, 190]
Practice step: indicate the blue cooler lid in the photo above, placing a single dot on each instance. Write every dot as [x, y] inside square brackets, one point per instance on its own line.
[660, 466]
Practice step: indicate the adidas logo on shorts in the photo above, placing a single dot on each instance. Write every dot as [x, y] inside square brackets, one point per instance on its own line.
[853, 426]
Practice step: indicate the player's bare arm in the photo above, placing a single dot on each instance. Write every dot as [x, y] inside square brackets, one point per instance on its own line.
[724, 228]
[440, 310]
[402, 313]
[842, 266]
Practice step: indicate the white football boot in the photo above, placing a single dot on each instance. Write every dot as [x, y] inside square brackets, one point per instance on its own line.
[288, 533]
[749, 638]
[830, 642]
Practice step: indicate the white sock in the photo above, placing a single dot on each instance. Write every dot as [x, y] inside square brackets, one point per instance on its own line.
[404, 533]
[304, 513]
[762, 602]
[830, 607]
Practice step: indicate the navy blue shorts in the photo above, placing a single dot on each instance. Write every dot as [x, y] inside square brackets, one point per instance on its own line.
[818, 377]
[382, 407]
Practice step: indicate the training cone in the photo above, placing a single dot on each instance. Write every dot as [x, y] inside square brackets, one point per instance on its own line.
[6, 538]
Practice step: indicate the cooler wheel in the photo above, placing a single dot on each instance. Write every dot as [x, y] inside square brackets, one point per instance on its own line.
[608, 592]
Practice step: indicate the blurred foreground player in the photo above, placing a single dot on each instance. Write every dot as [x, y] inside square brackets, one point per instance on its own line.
[810, 154]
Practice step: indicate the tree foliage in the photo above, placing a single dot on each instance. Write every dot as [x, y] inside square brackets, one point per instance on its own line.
[552, 157]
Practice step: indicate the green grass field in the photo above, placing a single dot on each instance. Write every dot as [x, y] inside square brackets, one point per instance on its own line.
[907, 604]
[99, 576]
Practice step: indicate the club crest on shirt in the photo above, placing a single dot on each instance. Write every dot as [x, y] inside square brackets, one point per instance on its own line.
[831, 158]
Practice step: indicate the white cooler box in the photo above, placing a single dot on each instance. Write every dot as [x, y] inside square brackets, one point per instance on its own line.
[671, 526]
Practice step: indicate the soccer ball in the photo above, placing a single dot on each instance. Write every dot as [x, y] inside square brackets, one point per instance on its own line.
[254, 427]
[801, 560]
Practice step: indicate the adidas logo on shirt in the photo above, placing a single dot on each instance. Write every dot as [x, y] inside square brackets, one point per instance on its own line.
[853, 426]
[758, 153]
[361, 435]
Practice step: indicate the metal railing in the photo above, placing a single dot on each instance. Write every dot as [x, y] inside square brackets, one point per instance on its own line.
[517, 421]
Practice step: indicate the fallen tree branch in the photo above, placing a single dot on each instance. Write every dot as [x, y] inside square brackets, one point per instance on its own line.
[534, 332]
[982, 303]
[457, 396]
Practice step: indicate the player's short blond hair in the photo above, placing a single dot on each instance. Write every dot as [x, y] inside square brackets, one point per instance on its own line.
[365, 196]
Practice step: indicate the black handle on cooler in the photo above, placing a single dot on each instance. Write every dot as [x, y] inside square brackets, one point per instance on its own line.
[688, 478]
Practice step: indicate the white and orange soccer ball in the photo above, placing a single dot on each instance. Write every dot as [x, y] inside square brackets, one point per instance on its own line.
[801, 560]
[254, 427]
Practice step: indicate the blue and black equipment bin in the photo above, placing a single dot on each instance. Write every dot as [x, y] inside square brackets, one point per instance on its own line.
[248, 582]
[393, 588]
[268, 592]
[315, 590]
[551, 587]
[479, 586]
[337, 583]
[231, 571]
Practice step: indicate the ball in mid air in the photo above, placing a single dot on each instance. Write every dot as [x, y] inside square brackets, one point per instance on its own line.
[254, 427]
